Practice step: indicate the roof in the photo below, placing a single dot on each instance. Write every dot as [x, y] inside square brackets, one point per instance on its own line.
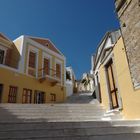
[114, 34]
[4, 37]
[47, 43]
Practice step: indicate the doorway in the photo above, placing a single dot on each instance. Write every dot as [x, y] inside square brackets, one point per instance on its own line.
[27, 96]
[112, 85]
[1, 90]
[39, 97]
[99, 89]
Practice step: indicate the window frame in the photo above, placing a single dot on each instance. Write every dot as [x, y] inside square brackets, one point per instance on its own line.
[12, 96]
[34, 50]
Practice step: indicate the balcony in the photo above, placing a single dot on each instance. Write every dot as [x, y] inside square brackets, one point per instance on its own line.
[50, 75]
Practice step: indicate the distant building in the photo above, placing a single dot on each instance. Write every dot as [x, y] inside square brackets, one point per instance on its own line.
[129, 16]
[70, 81]
[86, 83]
[32, 70]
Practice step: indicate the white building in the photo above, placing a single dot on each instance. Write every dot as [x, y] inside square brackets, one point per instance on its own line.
[70, 81]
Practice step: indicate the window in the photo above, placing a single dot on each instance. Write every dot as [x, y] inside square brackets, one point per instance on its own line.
[27, 96]
[12, 94]
[58, 70]
[53, 97]
[1, 56]
[46, 66]
[32, 64]
[32, 58]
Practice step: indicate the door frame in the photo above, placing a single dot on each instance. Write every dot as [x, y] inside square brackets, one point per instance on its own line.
[106, 61]
[115, 104]
[98, 88]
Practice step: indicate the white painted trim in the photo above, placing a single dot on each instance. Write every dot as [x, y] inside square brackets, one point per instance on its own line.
[38, 45]
[9, 68]
[21, 47]
[64, 72]
[22, 52]
[14, 70]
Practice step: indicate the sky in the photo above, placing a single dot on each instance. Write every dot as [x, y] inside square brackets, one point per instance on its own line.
[75, 26]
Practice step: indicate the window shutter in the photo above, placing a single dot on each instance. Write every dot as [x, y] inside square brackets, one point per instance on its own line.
[32, 58]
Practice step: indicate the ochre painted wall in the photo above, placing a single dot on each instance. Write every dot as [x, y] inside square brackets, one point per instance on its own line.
[130, 97]
[8, 77]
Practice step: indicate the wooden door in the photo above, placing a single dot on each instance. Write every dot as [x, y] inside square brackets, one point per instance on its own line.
[112, 85]
[12, 94]
[27, 96]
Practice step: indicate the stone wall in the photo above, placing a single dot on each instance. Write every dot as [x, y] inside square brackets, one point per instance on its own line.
[130, 26]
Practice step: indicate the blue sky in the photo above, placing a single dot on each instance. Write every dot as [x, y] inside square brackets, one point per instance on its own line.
[74, 26]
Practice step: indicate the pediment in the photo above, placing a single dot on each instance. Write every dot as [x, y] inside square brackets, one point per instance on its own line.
[105, 53]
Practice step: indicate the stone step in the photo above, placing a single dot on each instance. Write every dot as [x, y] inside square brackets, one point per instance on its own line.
[130, 136]
[47, 105]
[53, 107]
[47, 133]
[55, 111]
[56, 114]
[57, 117]
[66, 125]
[32, 116]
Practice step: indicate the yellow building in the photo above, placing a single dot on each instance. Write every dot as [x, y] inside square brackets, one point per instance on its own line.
[113, 85]
[32, 70]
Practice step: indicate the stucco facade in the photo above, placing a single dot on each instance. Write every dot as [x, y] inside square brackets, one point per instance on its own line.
[126, 99]
[39, 74]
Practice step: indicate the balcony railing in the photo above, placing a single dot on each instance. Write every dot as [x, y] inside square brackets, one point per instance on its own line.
[50, 75]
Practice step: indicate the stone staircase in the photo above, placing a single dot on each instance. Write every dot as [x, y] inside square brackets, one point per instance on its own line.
[80, 118]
